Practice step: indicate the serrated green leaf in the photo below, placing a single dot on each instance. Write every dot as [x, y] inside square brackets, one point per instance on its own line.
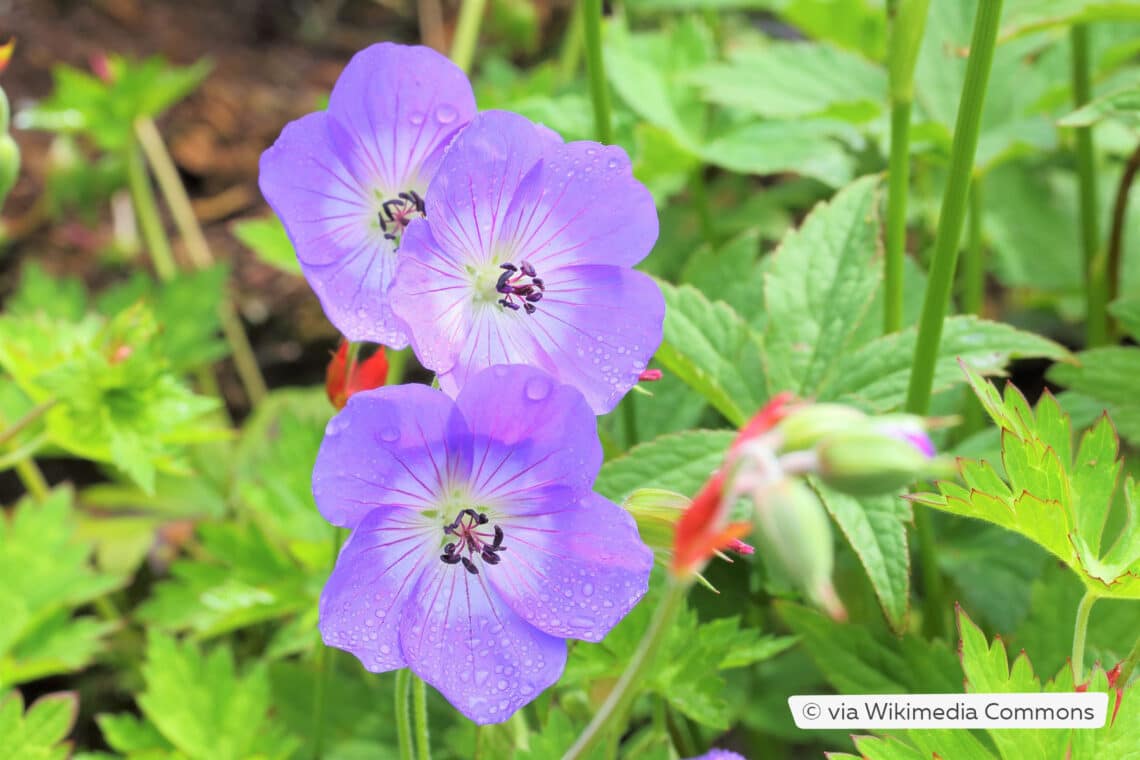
[47, 576]
[1046, 494]
[39, 733]
[1108, 375]
[811, 148]
[713, 350]
[678, 462]
[132, 735]
[1024, 16]
[205, 708]
[875, 375]
[818, 289]
[876, 529]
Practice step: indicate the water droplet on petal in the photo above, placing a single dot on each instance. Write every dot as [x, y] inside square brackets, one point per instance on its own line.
[389, 434]
[417, 118]
[446, 114]
[537, 388]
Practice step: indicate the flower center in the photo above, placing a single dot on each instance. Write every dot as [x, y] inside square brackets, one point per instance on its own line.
[520, 287]
[396, 214]
[473, 538]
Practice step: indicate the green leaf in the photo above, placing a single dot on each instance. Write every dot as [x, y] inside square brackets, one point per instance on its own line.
[1024, 16]
[39, 733]
[1109, 376]
[205, 708]
[1054, 496]
[732, 273]
[789, 80]
[813, 148]
[1122, 105]
[876, 530]
[1127, 312]
[713, 350]
[819, 287]
[267, 238]
[875, 375]
[679, 462]
[47, 576]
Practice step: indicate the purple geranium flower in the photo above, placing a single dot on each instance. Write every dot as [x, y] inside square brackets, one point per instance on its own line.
[525, 258]
[346, 181]
[478, 544]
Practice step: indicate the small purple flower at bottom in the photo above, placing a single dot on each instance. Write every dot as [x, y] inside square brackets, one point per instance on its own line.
[526, 256]
[478, 544]
[720, 754]
[347, 181]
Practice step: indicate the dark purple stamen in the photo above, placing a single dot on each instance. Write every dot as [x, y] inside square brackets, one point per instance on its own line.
[398, 212]
[517, 292]
[472, 542]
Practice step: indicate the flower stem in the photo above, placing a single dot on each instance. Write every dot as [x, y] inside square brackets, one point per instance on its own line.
[1119, 213]
[198, 250]
[403, 714]
[1096, 324]
[26, 468]
[467, 33]
[146, 209]
[34, 414]
[595, 66]
[419, 703]
[397, 363]
[941, 281]
[624, 692]
[570, 53]
[953, 211]
[908, 22]
[973, 293]
[1080, 633]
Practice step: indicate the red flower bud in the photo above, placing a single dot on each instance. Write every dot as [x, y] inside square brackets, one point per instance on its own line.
[649, 376]
[342, 380]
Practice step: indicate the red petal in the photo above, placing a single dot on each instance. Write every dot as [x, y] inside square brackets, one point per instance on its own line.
[334, 377]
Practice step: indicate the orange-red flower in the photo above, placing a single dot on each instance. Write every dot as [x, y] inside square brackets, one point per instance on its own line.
[704, 528]
[342, 380]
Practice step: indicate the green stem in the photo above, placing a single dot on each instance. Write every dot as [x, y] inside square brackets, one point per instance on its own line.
[941, 281]
[908, 23]
[596, 68]
[419, 702]
[1080, 633]
[1128, 666]
[467, 32]
[621, 697]
[1116, 235]
[397, 363]
[33, 480]
[34, 414]
[1096, 325]
[198, 250]
[570, 54]
[700, 192]
[953, 213]
[403, 715]
[146, 209]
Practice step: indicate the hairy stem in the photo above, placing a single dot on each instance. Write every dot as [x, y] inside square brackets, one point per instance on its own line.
[419, 701]
[596, 68]
[908, 22]
[403, 714]
[198, 250]
[467, 33]
[1080, 633]
[1096, 324]
[621, 697]
[1116, 235]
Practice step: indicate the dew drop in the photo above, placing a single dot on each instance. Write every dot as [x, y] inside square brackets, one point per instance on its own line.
[446, 114]
[417, 118]
[537, 388]
[389, 434]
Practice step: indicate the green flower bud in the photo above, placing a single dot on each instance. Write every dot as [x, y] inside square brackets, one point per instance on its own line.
[866, 463]
[9, 165]
[4, 112]
[807, 426]
[656, 512]
[793, 534]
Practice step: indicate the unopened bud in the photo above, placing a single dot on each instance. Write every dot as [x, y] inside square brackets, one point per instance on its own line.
[805, 427]
[869, 463]
[656, 512]
[794, 536]
[9, 164]
[909, 428]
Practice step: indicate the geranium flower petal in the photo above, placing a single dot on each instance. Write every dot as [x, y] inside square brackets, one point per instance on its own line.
[583, 207]
[378, 567]
[460, 637]
[529, 432]
[394, 110]
[573, 570]
[397, 446]
[600, 325]
[473, 188]
[332, 225]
